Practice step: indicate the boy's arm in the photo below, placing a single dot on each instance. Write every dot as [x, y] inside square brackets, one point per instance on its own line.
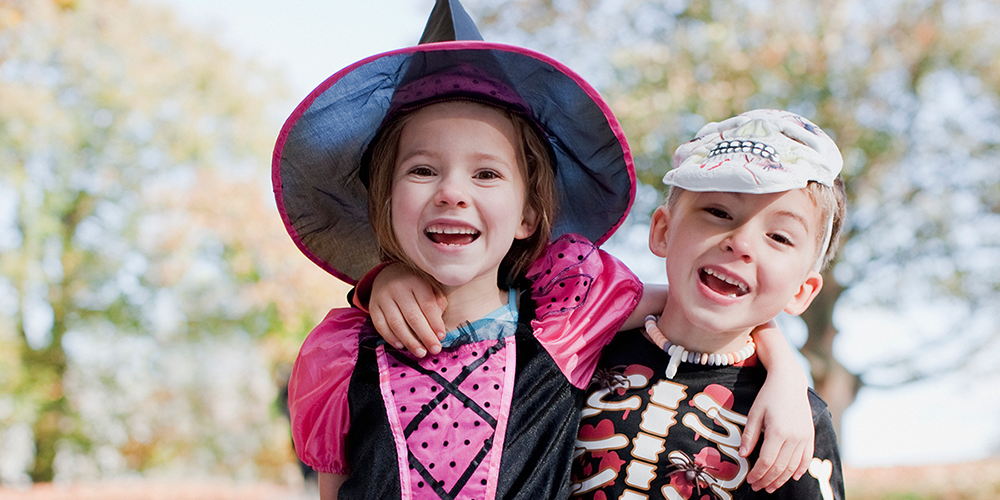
[653, 298]
[781, 410]
[406, 310]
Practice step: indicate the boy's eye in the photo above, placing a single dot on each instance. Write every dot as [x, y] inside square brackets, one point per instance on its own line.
[718, 212]
[781, 239]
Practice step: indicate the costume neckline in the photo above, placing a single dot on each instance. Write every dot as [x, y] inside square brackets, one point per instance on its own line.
[680, 354]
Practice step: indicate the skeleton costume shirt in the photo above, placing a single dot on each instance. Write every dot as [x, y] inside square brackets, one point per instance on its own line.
[494, 415]
[644, 436]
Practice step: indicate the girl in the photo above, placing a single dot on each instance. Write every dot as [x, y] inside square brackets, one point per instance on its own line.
[451, 157]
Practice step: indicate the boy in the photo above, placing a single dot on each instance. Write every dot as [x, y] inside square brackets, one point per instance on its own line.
[753, 215]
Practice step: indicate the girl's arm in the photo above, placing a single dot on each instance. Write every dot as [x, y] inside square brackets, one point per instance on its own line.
[329, 485]
[781, 410]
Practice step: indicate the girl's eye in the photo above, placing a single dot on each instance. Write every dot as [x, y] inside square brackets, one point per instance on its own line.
[421, 171]
[487, 175]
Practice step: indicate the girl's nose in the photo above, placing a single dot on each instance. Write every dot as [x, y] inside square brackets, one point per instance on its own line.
[451, 191]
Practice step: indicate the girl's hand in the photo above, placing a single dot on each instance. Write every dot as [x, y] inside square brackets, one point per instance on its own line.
[407, 311]
[781, 410]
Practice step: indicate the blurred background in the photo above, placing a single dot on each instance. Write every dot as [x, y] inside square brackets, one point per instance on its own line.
[151, 303]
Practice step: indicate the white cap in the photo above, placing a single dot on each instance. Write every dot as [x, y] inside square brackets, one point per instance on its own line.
[760, 151]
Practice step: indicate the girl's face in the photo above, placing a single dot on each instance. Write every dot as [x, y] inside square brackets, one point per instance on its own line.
[458, 192]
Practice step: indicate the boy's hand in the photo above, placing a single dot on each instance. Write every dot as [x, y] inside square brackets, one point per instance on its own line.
[407, 311]
[782, 413]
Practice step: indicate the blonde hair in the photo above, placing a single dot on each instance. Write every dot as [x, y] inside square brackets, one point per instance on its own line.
[537, 169]
[832, 202]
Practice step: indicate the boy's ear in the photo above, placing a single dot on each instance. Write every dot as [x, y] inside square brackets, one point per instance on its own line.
[529, 223]
[658, 227]
[807, 292]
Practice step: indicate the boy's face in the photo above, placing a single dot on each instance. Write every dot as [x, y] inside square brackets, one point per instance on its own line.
[734, 261]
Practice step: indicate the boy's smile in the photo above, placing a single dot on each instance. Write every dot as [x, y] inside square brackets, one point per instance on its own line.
[734, 261]
[458, 196]
[724, 284]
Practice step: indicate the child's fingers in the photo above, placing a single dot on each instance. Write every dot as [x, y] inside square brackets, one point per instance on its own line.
[393, 324]
[770, 463]
[424, 314]
[804, 460]
[784, 473]
[437, 320]
[751, 433]
[397, 327]
[419, 318]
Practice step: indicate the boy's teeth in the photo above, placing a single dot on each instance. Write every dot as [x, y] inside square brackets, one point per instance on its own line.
[727, 279]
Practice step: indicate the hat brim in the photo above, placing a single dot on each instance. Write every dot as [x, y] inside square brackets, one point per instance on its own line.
[323, 202]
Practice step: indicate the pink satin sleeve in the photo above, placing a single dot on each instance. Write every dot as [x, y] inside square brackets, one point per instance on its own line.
[582, 297]
[317, 390]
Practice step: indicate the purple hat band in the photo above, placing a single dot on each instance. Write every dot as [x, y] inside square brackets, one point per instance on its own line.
[462, 82]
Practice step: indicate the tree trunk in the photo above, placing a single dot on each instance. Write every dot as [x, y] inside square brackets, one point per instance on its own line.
[834, 383]
[47, 367]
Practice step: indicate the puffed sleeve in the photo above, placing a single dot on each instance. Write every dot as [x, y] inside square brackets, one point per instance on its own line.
[317, 390]
[582, 297]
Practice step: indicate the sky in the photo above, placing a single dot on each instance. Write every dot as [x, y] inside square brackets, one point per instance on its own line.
[947, 420]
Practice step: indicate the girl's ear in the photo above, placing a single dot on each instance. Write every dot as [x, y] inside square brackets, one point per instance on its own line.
[529, 223]
[658, 231]
[807, 292]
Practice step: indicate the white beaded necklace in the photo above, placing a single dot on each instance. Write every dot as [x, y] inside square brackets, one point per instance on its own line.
[678, 353]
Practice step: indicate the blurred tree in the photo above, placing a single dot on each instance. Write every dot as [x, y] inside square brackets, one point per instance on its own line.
[144, 274]
[909, 90]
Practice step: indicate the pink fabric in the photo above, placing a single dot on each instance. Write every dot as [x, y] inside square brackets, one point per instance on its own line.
[583, 296]
[317, 390]
[447, 434]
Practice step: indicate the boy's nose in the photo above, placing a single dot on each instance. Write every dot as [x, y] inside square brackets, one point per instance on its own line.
[738, 242]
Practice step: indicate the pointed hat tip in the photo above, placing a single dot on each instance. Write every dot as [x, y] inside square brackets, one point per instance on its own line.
[449, 22]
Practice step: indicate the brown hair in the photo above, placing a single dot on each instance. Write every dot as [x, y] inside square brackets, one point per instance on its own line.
[537, 169]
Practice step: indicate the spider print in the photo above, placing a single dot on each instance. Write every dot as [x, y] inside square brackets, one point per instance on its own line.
[695, 474]
[611, 378]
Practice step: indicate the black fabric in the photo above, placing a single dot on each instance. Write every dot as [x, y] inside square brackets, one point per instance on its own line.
[448, 22]
[540, 433]
[733, 387]
[543, 423]
[370, 451]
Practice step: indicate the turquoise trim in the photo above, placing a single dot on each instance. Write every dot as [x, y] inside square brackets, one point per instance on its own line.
[500, 323]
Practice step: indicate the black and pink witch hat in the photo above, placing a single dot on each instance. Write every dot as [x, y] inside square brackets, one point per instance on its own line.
[318, 175]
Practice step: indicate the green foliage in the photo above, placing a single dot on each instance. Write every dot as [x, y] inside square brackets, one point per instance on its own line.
[908, 89]
[127, 270]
